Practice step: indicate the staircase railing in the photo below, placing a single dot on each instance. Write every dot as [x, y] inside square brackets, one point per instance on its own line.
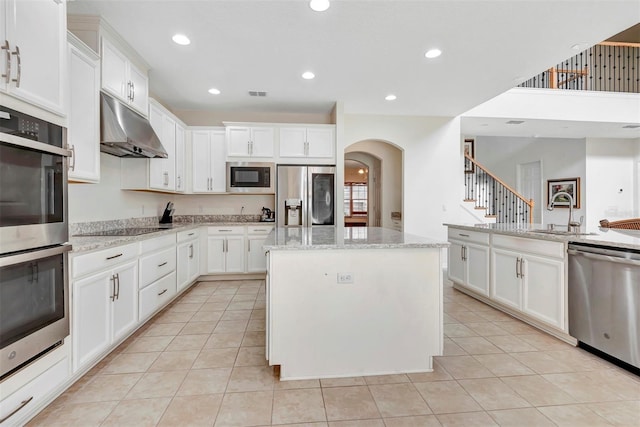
[491, 193]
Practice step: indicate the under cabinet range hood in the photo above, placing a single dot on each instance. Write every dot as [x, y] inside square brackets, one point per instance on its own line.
[124, 133]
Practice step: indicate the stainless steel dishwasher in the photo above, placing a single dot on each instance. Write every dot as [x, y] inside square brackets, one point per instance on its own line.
[604, 300]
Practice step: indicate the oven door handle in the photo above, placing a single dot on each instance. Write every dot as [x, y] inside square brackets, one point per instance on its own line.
[34, 145]
[617, 260]
[33, 255]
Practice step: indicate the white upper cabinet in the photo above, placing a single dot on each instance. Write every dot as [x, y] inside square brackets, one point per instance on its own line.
[250, 141]
[181, 161]
[162, 172]
[122, 79]
[83, 134]
[309, 143]
[208, 167]
[33, 56]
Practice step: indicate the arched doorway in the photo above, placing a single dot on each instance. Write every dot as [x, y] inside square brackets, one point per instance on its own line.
[357, 205]
[384, 181]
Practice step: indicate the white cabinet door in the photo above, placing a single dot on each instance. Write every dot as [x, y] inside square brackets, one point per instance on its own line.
[320, 142]
[83, 133]
[218, 161]
[234, 254]
[114, 71]
[238, 141]
[456, 265]
[3, 39]
[124, 307]
[293, 142]
[262, 142]
[506, 285]
[139, 90]
[162, 172]
[91, 317]
[181, 166]
[182, 269]
[544, 289]
[194, 260]
[257, 259]
[216, 254]
[36, 33]
[200, 146]
[477, 263]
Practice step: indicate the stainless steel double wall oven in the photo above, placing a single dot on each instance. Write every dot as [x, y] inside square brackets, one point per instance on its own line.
[34, 290]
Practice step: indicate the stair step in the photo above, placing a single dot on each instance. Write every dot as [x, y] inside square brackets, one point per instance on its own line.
[480, 207]
[470, 200]
[491, 216]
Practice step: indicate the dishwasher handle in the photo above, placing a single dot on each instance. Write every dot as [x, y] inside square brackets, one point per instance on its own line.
[617, 260]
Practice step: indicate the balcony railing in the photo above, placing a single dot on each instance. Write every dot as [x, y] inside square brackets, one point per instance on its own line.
[608, 66]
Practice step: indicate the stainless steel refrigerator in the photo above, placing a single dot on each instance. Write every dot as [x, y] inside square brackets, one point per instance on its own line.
[305, 196]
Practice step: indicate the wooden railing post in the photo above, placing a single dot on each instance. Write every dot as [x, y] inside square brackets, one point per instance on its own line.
[553, 78]
[531, 205]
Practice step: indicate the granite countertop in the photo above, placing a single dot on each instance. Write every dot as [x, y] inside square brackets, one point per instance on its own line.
[616, 238]
[88, 243]
[305, 238]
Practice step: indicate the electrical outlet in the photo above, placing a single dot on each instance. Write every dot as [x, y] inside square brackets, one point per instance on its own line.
[345, 278]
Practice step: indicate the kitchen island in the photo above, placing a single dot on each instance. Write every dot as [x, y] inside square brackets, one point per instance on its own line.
[352, 301]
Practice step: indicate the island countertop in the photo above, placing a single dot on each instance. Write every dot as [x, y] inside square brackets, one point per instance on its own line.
[327, 237]
[617, 238]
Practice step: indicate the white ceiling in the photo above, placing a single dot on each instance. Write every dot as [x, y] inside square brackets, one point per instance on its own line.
[360, 50]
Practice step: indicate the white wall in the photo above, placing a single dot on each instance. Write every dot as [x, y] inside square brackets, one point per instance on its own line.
[391, 176]
[612, 177]
[215, 118]
[105, 201]
[433, 169]
[560, 158]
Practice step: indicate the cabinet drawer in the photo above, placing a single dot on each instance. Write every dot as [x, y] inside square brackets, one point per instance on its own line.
[31, 395]
[183, 236]
[222, 230]
[154, 266]
[469, 236]
[259, 229]
[152, 245]
[156, 295]
[82, 265]
[533, 246]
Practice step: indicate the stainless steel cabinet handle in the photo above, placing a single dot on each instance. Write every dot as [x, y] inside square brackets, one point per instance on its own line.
[17, 54]
[191, 251]
[133, 92]
[518, 267]
[462, 253]
[249, 245]
[163, 264]
[72, 163]
[521, 267]
[162, 292]
[129, 91]
[191, 234]
[114, 256]
[166, 178]
[178, 182]
[463, 235]
[7, 76]
[113, 287]
[22, 405]
[224, 229]
[118, 288]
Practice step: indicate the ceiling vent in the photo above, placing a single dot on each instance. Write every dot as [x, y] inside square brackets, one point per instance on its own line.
[515, 122]
[257, 93]
[631, 127]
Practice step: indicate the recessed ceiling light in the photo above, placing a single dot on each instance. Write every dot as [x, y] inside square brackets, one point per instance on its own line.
[181, 39]
[319, 5]
[433, 53]
[390, 97]
[308, 75]
[214, 91]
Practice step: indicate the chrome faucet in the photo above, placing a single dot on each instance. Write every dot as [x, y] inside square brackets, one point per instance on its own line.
[571, 223]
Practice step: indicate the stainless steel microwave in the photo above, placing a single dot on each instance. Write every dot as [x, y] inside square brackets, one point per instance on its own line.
[250, 177]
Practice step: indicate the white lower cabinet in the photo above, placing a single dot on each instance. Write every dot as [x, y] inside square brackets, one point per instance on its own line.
[529, 275]
[104, 310]
[188, 256]
[469, 260]
[225, 250]
[256, 256]
[157, 274]
[157, 295]
[16, 408]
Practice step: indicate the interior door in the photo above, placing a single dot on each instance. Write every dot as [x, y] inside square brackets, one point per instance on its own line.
[530, 186]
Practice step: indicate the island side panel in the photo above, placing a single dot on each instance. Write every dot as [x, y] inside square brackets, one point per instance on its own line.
[388, 321]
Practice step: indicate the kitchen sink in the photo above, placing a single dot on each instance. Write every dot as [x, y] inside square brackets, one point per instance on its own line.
[561, 232]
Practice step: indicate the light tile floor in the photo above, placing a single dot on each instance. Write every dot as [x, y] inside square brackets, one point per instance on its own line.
[201, 363]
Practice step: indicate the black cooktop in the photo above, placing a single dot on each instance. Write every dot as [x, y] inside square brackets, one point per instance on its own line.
[133, 231]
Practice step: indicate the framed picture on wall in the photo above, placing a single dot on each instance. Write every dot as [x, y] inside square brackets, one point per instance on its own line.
[567, 185]
[469, 149]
